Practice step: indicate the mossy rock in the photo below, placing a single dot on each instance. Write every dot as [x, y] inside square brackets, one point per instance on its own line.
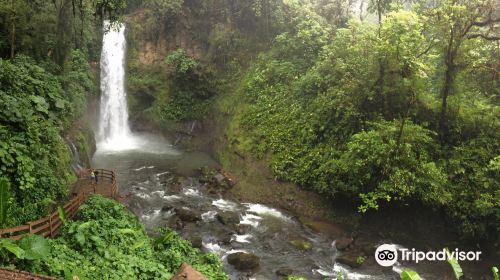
[301, 244]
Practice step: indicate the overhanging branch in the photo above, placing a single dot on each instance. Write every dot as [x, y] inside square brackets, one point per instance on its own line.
[486, 37]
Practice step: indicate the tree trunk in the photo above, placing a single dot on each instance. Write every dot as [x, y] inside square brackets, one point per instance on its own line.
[361, 17]
[13, 31]
[381, 66]
[379, 12]
[449, 76]
[13, 40]
[63, 19]
[448, 81]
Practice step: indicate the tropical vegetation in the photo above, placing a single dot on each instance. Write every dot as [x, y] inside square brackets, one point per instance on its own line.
[107, 240]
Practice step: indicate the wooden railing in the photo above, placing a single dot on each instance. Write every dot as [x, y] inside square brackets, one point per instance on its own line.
[103, 175]
[49, 225]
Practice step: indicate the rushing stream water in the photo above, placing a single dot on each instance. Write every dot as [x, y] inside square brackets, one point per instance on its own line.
[155, 178]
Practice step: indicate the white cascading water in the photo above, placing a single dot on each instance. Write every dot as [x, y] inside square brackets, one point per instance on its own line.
[114, 131]
[114, 134]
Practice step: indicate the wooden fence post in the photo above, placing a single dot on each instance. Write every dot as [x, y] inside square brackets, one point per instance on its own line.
[50, 224]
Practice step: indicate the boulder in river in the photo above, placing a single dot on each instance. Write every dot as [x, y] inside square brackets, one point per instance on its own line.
[301, 244]
[343, 243]
[284, 271]
[243, 228]
[353, 259]
[196, 241]
[216, 180]
[224, 235]
[166, 208]
[174, 222]
[243, 261]
[332, 231]
[228, 218]
[188, 215]
[236, 246]
[187, 272]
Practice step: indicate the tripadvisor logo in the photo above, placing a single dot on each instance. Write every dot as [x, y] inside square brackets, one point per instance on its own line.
[389, 254]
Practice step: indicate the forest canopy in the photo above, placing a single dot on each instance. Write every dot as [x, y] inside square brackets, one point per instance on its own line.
[400, 109]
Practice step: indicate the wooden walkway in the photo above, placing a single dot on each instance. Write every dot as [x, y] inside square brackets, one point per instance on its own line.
[106, 184]
[11, 274]
[49, 226]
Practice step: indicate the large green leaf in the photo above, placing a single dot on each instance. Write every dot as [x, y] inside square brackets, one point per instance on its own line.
[4, 195]
[35, 246]
[60, 103]
[409, 274]
[80, 238]
[494, 270]
[62, 214]
[41, 104]
[457, 270]
[10, 246]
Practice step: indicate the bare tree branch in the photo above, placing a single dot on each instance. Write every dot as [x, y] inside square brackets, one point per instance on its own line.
[486, 37]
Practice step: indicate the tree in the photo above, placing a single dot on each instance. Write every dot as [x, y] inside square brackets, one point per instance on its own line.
[457, 21]
[402, 44]
[336, 12]
[46, 29]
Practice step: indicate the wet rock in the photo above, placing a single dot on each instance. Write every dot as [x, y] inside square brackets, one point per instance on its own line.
[166, 208]
[186, 272]
[369, 249]
[330, 230]
[228, 218]
[301, 244]
[216, 181]
[224, 235]
[174, 222]
[167, 215]
[284, 271]
[212, 191]
[243, 228]
[172, 184]
[353, 259]
[179, 224]
[235, 245]
[188, 215]
[225, 239]
[196, 241]
[343, 243]
[220, 178]
[244, 261]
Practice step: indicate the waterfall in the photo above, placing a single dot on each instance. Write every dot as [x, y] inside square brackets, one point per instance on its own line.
[76, 162]
[114, 131]
[113, 134]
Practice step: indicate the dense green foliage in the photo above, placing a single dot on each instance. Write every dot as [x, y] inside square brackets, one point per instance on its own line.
[184, 93]
[35, 108]
[400, 108]
[191, 89]
[107, 240]
[48, 30]
[359, 111]
[45, 79]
